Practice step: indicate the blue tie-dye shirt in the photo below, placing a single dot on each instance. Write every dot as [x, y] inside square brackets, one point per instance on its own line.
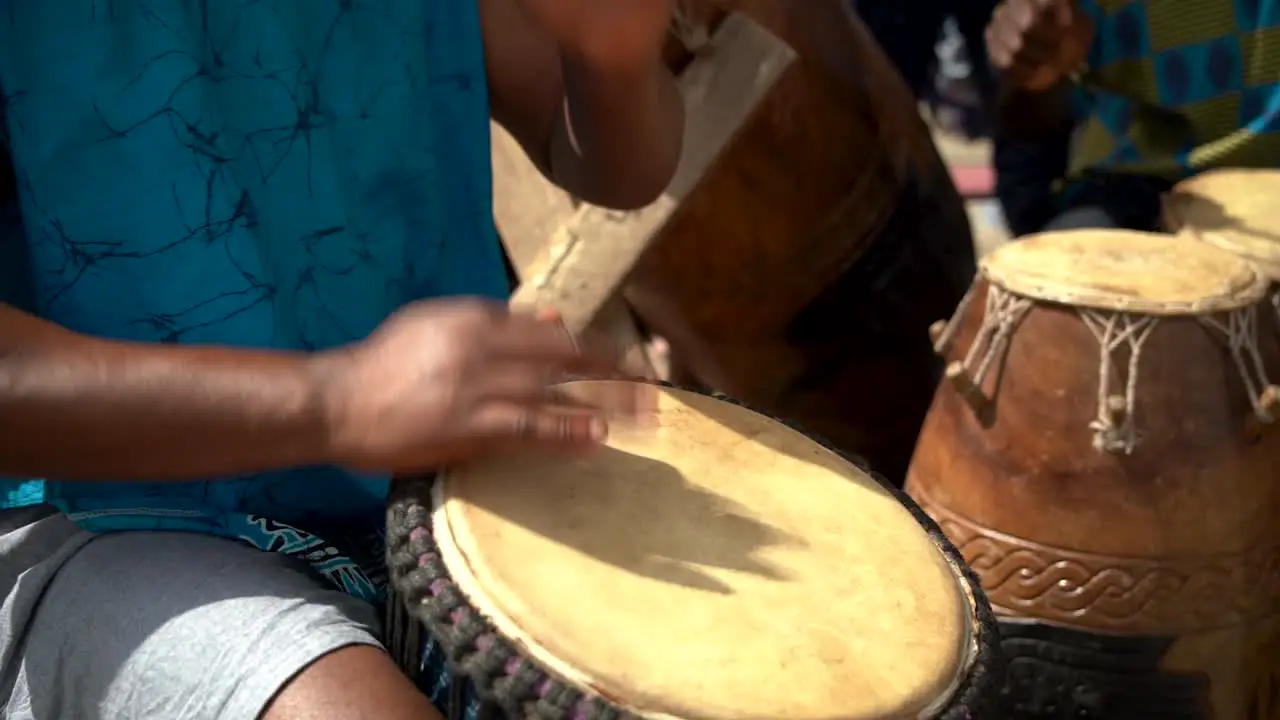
[259, 173]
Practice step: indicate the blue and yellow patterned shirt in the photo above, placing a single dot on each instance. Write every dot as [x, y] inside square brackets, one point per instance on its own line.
[1179, 86]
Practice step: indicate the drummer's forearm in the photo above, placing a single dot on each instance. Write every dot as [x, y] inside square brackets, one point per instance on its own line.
[619, 136]
[78, 407]
[1028, 115]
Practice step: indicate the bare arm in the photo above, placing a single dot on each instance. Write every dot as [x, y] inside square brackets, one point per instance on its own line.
[72, 407]
[611, 136]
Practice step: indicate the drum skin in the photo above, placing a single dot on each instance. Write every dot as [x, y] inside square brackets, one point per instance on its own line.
[1129, 586]
[802, 273]
[716, 600]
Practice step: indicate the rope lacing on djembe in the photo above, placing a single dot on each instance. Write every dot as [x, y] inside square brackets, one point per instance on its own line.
[504, 679]
[1114, 429]
[949, 330]
[1003, 312]
[1241, 329]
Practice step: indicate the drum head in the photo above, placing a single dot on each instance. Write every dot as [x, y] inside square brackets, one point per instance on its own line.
[1237, 210]
[1125, 271]
[718, 565]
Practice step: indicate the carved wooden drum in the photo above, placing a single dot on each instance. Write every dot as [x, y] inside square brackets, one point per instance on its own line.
[802, 272]
[1103, 458]
[718, 565]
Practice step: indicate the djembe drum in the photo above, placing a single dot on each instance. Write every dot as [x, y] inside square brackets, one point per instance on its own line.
[1237, 210]
[716, 564]
[1102, 459]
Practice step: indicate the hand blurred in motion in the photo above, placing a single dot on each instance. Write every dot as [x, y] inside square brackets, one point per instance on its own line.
[440, 382]
[1037, 43]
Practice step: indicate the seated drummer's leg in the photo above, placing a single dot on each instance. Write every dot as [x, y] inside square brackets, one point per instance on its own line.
[355, 682]
[173, 626]
[1082, 218]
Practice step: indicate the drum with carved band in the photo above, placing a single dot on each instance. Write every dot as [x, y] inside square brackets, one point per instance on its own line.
[1237, 210]
[1103, 459]
[802, 272]
[713, 564]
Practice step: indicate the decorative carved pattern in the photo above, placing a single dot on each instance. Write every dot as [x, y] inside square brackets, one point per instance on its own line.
[1158, 596]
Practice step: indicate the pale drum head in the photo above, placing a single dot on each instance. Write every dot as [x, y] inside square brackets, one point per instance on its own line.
[1124, 271]
[1236, 210]
[715, 564]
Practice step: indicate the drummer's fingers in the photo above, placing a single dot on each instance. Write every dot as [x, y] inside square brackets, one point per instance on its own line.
[510, 381]
[539, 424]
[1004, 41]
[534, 385]
[536, 339]
[634, 402]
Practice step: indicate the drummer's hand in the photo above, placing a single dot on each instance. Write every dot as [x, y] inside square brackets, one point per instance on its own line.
[618, 33]
[443, 381]
[1037, 43]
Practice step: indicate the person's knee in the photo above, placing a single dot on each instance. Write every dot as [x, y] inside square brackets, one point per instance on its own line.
[1083, 218]
[352, 683]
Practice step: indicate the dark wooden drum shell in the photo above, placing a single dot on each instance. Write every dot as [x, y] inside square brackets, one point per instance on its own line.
[1134, 586]
[802, 273]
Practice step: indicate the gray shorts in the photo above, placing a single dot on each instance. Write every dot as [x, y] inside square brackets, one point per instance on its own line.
[163, 626]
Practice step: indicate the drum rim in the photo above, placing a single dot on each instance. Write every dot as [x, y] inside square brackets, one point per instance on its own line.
[506, 676]
[1063, 292]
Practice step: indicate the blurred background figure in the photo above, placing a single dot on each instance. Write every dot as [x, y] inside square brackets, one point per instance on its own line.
[938, 46]
[1151, 93]
[962, 85]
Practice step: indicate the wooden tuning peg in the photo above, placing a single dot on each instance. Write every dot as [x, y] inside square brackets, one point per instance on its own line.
[936, 331]
[958, 376]
[1268, 406]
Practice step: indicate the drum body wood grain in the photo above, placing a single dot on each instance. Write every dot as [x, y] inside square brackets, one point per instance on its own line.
[1132, 585]
[803, 271]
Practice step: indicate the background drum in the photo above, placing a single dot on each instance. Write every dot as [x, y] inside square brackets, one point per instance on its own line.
[1237, 210]
[802, 272]
[1103, 460]
[716, 565]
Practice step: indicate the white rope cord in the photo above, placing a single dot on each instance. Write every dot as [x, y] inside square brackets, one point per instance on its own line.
[1114, 428]
[1003, 313]
[1241, 329]
[948, 334]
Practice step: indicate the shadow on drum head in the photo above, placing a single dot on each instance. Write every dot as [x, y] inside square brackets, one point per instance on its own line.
[1211, 215]
[632, 512]
[784, 438]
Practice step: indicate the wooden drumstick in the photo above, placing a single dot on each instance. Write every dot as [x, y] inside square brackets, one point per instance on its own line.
[1269, 405]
